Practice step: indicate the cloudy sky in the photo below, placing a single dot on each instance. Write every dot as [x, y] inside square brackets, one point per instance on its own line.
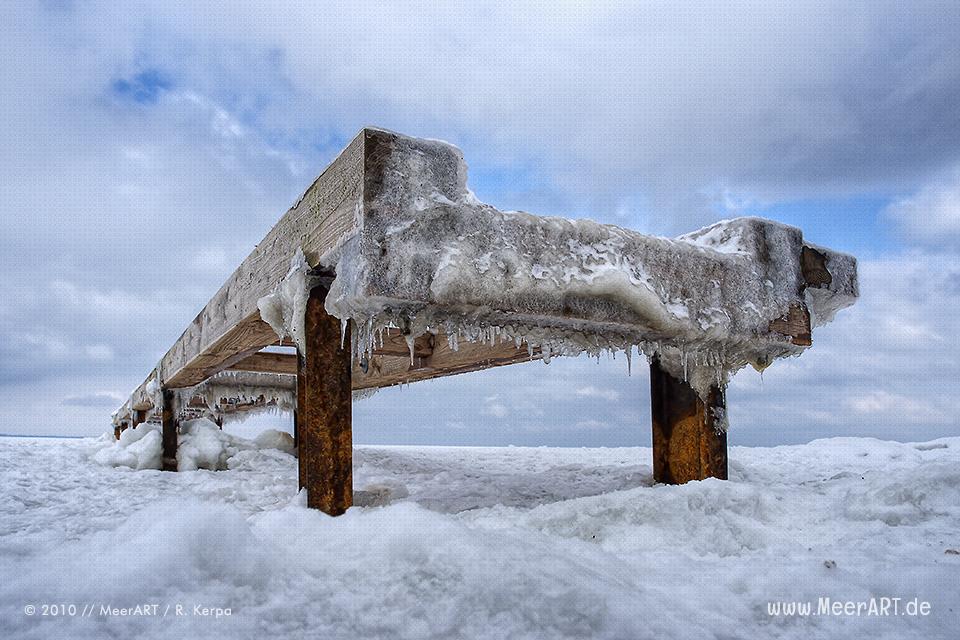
[145, 150]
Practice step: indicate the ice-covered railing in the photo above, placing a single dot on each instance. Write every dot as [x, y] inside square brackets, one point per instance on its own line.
[427, 257]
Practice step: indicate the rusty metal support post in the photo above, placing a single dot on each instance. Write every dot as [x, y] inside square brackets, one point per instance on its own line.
[689, 435]
[324, 410]
[296, 428]
[169, 420]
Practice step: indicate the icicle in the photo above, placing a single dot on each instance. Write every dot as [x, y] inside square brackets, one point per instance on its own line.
[368, 342]
[629, 349]
[409, 338]
[344, 323]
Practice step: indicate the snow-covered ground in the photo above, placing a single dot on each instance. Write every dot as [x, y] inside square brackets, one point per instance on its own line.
[482, 543]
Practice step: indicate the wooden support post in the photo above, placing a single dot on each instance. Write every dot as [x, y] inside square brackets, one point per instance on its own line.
[139, 417]
[170, 425]
[116, 432]
[689, 438]
[324, 411]
[296, 428]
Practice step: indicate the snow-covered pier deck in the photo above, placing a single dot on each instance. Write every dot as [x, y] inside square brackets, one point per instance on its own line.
[388, 270]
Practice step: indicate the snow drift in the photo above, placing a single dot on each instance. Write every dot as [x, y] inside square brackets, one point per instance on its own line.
[202, 445]
[489, 543]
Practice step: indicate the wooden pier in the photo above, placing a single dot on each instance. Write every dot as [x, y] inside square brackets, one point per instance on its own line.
[229, 336]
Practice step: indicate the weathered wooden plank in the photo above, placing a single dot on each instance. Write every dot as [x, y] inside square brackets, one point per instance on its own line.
[689, 438]
[385, 370]
[391, 365]
[395, 344]
[796, 325]
[169, 420]
[324, 411]
[813, 266]
[229, 326]
[267, 362]
[243, 340]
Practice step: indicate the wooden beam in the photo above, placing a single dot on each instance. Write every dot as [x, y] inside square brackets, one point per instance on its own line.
[244, 339]
[324, 411]
[795, 324]
[390, 370]
[813, 266]
[689, 435]
[395, 344]
[266, 362]
[169, 420]
[229, 327]
[390, 364]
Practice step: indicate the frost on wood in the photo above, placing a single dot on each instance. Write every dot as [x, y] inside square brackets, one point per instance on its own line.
[427, 256]
[249, 393]
[284, 309]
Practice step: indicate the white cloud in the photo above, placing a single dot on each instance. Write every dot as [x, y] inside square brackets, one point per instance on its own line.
[880, 403]
[616, 113]
[592, 425]
[108, 399]
[99, 352]
[932, 214]
[884, 367]
[593, 392]
[210, 258]
[495, 408]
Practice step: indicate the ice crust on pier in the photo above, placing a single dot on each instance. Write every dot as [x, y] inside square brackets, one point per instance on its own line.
[427, 256]
[272, 391]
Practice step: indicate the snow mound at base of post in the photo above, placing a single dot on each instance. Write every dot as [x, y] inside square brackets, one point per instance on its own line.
[273, 439]
[139, 448]
[201, 445]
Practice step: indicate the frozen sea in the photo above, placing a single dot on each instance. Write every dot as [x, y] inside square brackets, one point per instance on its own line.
[483, 543]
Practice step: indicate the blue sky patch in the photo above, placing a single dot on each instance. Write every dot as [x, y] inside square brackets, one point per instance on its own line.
[143, 88]
[856, 224]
